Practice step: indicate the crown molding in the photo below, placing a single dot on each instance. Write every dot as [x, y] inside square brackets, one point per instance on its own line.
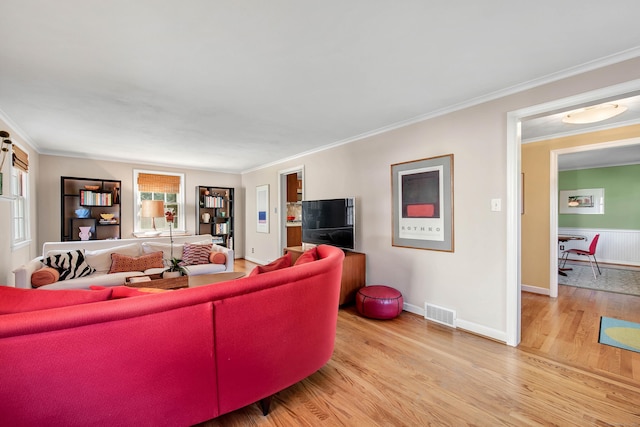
[549, 78]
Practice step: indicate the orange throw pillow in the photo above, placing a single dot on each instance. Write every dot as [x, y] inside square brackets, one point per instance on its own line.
[124, 263]
[44, 276]
[217, 258]
[308, 256]
[282, 262]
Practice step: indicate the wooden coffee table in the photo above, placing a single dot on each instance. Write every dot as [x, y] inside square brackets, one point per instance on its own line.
[186, 281]
[207, 279]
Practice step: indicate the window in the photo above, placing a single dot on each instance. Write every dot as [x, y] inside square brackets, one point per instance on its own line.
[19, 194]
[164, 186]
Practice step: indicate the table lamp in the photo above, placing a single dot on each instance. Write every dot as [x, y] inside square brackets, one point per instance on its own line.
[152, 209]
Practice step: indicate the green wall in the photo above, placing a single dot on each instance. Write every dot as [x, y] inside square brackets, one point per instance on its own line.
[621, 197]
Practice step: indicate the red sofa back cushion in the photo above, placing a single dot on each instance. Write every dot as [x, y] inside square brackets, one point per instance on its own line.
[15, 300]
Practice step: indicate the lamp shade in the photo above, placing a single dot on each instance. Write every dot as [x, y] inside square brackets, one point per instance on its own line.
[152, 209]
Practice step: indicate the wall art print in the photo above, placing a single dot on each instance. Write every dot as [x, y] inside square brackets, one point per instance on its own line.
[262, 207]
[422, 203]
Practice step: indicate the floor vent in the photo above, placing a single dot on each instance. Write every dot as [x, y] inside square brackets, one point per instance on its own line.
[440, 315]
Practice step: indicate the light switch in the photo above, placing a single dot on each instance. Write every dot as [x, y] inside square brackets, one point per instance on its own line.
[496, 205]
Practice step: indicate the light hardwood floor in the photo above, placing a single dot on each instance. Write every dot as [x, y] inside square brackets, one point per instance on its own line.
[410, 372]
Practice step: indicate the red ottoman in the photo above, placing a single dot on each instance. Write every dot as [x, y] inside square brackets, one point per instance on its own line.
[379, 302]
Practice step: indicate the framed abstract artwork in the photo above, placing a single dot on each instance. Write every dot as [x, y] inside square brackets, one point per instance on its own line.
[262, 207]
[422, 204]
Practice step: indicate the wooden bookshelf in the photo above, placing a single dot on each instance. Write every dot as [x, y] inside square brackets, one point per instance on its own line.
[98, 196]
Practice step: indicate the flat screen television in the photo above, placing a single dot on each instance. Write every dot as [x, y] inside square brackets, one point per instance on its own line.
[329, 222]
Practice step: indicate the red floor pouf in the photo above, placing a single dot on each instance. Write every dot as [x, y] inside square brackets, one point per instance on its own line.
[379, 302]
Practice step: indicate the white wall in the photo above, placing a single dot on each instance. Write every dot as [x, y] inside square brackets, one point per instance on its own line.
[471, 280]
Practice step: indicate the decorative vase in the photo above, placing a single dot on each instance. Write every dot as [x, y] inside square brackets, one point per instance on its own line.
[206, 217]
[85, 233]
[83, 213]
[170, 274]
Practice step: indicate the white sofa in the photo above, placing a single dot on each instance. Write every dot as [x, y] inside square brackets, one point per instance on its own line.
[98, 255]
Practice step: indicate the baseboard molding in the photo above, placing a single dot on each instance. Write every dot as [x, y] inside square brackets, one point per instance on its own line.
[256, 261]
[483, 331]
[470, 327]
[535, 290]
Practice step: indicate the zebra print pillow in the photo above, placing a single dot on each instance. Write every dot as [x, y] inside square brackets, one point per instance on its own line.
[70, 265]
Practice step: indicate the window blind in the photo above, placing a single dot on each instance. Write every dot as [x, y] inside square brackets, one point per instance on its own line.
[155, 183]
[20, 159]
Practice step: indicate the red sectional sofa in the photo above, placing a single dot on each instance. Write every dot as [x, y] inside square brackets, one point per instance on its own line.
[174, 358]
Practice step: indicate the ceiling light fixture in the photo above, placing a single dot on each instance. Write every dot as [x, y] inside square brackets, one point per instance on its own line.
[593, 114]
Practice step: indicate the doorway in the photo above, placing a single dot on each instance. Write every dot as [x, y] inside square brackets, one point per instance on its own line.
[514, 195]
[287, 205]
[556, 155]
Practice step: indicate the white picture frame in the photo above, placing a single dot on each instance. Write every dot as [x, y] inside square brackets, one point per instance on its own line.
[585, 201]
[262, 208]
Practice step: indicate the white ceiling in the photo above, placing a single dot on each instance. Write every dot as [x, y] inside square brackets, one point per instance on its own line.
[233, 85]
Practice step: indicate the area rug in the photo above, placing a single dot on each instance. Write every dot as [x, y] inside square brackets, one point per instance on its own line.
[620, 333]
[611, 279]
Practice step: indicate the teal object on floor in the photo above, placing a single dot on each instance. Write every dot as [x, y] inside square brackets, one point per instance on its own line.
[620, 333]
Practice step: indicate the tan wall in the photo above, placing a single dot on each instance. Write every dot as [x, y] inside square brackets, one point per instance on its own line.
[53, 167]
[471, 280]
[536, 219]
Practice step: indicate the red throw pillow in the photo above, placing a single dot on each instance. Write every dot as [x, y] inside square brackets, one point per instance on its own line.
[282, 262]
[193, 254]
[16, 300]
[308, 256]
[217, 258]
[44, 276]
[124, 263]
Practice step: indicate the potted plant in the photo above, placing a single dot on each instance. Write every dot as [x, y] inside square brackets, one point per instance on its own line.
[175, 267]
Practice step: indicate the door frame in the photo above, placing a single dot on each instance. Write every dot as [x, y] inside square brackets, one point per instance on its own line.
[513, 195]
[282, 203]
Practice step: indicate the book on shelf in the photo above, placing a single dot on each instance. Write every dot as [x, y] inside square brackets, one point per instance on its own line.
[222, 228]
[213, 201]
[90, 198]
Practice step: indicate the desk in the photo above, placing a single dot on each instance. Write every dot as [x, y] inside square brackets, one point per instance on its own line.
[566, 238]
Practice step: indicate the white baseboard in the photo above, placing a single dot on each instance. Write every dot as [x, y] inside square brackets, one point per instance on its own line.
[535, 290]
[463, 324]
[256, 261]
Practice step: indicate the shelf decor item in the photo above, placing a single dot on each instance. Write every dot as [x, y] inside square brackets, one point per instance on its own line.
[83, 212]
[422, 204]
[85, 233]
